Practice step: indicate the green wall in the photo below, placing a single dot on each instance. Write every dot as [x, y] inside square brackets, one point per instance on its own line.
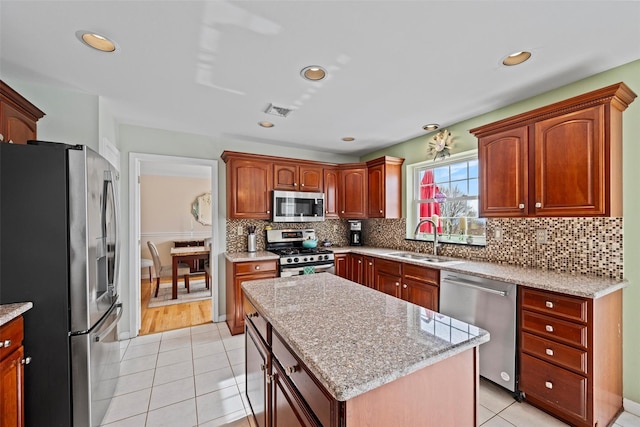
[414, 151]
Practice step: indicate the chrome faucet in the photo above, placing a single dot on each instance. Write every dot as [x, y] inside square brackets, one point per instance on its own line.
[435, 233]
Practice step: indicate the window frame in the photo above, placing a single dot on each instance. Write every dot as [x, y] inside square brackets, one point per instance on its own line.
[413, 191]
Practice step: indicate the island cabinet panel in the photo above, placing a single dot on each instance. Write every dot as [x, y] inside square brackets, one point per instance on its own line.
[571, 355]
[257, 366]
[12, 374]
[352, 192]
[236, 273]
[562, 160]
[18, 117]
[331, 183]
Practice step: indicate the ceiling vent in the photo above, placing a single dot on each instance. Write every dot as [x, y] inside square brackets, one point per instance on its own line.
[278, 111]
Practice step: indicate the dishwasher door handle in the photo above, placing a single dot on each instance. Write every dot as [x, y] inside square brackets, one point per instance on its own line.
[462, 282]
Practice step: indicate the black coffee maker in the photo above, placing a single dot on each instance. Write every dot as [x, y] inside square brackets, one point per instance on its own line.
[355, 233]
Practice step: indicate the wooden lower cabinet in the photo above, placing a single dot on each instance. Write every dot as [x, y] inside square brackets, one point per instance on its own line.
[12, 374]
[341, 262]
[571, 355]
[415, 284]
[236, 273]
[356, 268]
[257, 366]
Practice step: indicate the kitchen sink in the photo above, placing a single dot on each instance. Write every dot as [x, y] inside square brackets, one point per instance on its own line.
[426, 258]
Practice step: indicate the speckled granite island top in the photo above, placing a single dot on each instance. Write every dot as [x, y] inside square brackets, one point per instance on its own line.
[8, 312]
[570, 284]
[355, 339]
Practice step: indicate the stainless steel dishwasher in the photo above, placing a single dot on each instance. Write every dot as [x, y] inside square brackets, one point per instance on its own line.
[491, 305]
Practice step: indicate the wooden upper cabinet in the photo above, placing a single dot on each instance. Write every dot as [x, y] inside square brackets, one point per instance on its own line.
[331, 202]
[564, 159]
[249, 186]
[352, 192]
[18, 116]
[290, 177]
[504, 177]
[384, 180]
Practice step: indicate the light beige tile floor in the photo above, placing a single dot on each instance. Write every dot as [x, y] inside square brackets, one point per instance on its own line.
[194, 377]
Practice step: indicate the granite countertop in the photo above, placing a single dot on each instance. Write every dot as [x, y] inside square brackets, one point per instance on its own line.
[353, 338]
[8, 312]
[570, 284]
[250, 256]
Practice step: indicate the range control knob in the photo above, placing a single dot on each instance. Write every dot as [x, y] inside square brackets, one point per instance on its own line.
[295, 259]
[305, 259]
[289, 260]
[310, 258]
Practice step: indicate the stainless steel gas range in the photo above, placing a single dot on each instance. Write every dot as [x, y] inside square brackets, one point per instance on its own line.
[295, 259]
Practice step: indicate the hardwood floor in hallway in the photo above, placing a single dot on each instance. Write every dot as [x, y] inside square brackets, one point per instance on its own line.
[170, 317]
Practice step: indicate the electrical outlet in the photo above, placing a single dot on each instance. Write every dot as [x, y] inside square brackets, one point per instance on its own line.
[240, 230]
[497, 234]
[541, 236]
[335, 227]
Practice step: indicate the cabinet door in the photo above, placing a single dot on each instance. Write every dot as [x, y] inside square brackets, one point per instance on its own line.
[376, 193]
[288, 408]
[331, 202]
[249, 184]
[356, 268]
[570, 164]
[420, 293]
[256, 370]
[369, 272]
[311, 179]
[18, 128]
[504, 184]
[285, 177]
[11, 384]
[341, 265]
[353, 193]
[388, 283]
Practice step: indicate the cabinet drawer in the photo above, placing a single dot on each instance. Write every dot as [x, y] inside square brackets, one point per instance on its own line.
[555, 352]
[567, 307]
[555, 329]
[391, 267]
[255, 267]
[312, 392]
[423, 274]
[11, 335]
[560, 388]
[257, 320]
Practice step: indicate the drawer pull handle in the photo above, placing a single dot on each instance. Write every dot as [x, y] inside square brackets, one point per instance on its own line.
[549, 352]
[290, 370]
[270, 378]
[5, 343]
[548, 304]
[26, 360]
[263, 367]
[548, 328]
[549, 385]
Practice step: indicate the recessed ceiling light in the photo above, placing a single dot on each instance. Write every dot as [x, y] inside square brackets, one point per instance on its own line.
[266, 124]
[96, 41]
[430, 127]
[348, 139]
[313, 73]
[516, 58]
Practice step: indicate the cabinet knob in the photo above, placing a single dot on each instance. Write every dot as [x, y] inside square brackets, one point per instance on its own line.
[342, 211]
[521, 206]
[257, 267]
[359, 262]
[268, 212]
[251, 315]
[26, 360]
[548, 304]
[549, 352]
[548, 328]
[290, 370]
[270, 378]
[404, 286]
[5, 343]
[370, 263]
[380, 210]
[548, 384]
[538, 205]
[301, 185]
[263, 367]
[397, 284]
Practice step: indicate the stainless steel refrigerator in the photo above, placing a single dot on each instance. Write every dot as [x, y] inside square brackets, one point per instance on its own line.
[59, 249]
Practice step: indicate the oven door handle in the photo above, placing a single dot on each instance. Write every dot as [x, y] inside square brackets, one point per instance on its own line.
[317, 267]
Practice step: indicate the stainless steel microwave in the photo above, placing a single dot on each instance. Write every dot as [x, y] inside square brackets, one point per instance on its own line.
[297, 206]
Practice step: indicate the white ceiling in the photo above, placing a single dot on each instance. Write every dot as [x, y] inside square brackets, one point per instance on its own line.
[212, 67]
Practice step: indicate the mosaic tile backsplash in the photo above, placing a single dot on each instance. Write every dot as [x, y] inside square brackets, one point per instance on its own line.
[574, 245]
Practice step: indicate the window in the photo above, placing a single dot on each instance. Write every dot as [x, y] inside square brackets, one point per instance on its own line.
[446, 191]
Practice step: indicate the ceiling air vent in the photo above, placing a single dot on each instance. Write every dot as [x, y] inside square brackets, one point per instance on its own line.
[278, 111]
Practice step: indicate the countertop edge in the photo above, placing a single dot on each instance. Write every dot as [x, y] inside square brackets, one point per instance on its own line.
[8, 312]
[250, 256]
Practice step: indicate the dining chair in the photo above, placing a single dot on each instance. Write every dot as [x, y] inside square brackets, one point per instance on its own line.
[167, 270]
[207, 263]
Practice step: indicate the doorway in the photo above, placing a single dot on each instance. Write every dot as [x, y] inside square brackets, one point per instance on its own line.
[141, 166]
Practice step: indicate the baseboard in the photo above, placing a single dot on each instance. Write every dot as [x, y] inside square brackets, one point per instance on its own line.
[631, 407]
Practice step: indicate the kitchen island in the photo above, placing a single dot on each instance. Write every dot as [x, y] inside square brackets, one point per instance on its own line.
[322, 350]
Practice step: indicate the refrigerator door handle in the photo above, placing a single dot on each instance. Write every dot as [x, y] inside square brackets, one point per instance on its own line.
[112, 325]
[109, 192]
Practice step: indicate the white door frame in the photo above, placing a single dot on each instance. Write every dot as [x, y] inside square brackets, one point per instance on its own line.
[135, 161]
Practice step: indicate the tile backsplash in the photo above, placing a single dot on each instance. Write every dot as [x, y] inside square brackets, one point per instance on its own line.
[574, 245]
